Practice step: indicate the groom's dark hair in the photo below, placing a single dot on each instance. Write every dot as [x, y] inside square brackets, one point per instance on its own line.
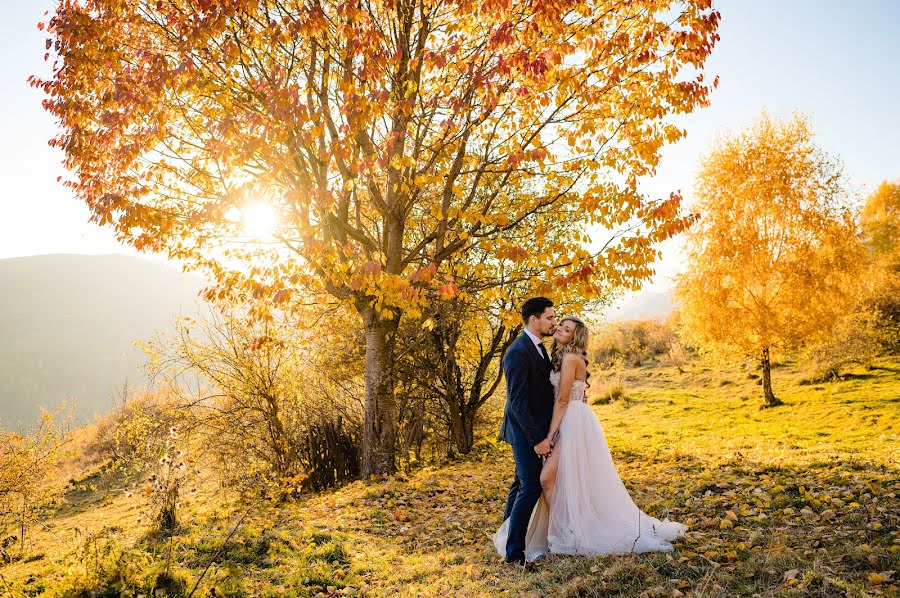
[535, 307]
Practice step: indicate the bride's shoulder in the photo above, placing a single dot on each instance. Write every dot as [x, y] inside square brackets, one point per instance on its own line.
[572, 358]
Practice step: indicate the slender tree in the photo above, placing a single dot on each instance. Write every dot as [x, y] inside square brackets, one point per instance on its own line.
[775, 258]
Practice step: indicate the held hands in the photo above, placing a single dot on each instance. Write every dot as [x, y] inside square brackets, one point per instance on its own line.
[544, 447]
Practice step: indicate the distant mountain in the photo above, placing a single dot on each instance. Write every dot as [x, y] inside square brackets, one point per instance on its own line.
[644, 304]
[67, 327]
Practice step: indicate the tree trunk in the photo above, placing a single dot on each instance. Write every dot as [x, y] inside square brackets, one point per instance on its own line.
[457, 407]
[768, 395]
[461, 423]
[465, 403]
[23, 527]
[379, 432]
[466, 440]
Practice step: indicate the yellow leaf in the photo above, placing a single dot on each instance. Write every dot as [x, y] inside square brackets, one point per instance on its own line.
[791, 575]
[883, 577]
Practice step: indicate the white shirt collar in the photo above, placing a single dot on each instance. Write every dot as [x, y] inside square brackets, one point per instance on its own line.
[536, 340]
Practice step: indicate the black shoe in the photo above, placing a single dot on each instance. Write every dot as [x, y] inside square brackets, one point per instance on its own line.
[519, 564]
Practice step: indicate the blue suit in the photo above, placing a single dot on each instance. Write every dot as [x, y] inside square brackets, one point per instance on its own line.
[526, 422]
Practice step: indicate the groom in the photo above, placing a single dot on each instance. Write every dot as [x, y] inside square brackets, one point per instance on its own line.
[526, 419]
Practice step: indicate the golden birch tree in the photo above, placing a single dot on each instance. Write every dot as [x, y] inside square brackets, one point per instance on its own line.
[880, 222]
[775, 257]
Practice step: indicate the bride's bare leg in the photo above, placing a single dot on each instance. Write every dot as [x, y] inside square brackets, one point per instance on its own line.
[548, 476]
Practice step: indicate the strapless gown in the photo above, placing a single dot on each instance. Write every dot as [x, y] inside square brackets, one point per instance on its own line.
[592, 512]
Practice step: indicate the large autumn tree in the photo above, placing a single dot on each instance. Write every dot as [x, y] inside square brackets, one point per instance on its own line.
[774, 259]
[389, 137]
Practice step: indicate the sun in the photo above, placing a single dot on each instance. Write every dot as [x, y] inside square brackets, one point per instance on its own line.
[259, 220]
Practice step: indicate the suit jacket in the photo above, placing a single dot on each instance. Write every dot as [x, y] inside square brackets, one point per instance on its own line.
[529, 394]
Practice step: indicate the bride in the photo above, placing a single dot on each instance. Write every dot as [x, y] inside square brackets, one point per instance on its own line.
[585, 508]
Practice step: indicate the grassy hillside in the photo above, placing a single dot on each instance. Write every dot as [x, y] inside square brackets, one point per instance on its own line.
[801, 500]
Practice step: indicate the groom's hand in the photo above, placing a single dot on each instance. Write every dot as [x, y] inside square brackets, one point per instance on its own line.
[543, 448]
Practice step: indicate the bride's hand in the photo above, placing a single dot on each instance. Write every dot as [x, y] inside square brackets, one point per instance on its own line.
[543, 448]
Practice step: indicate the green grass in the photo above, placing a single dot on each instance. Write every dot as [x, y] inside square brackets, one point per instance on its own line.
[695, 413]
[799, 500]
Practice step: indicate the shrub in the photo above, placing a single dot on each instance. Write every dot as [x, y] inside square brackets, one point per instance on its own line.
[855, 339]
[27, 464]
[106, 564]
[635, 342]
[166, 486]
[275, 410]
[677, 355]
[611, 389]
[140, 419]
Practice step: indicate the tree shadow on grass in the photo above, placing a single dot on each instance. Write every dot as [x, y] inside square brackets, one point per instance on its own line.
[851, 376]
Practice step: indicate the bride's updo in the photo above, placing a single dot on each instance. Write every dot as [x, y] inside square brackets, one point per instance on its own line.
[578, 345]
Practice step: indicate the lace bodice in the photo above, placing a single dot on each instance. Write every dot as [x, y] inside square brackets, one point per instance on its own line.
[579, 387]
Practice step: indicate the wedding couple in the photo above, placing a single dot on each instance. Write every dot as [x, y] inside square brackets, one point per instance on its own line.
[566, 497]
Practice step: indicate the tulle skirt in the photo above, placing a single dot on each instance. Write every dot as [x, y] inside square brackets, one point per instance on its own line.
[592, 512]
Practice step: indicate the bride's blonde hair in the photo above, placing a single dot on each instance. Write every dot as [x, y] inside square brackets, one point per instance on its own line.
[578, 345]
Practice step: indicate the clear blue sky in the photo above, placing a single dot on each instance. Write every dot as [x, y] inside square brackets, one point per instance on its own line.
[833, 60]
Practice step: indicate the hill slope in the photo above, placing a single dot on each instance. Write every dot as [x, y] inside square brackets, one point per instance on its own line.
[67, 326]
[801, 500]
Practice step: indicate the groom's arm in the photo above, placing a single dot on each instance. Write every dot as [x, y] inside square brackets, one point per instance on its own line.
[516, 371]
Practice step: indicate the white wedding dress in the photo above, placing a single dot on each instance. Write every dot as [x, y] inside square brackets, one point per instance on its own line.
[592, 512]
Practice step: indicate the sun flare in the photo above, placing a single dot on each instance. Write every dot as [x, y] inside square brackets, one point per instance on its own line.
[259, 220]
